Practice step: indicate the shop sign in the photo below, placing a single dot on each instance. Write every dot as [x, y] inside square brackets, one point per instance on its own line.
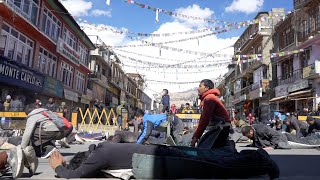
[281, 90]
[243, 97]
[237, 85]
[317, 66]
[298, 86]
[68, 52]
[85, 99]
[15, 74]
[308, 71]
[72, 96]
[255, 94]
[53, 86]
[115, 101]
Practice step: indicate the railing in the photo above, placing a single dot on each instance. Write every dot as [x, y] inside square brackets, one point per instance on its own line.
[99, 76]
[296, 75]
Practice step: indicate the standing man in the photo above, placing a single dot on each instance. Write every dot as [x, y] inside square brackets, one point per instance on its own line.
[51, 106]
[165, 101]
[214, 115]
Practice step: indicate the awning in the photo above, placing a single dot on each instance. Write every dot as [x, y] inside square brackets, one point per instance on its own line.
[278, 98]
[299, 93]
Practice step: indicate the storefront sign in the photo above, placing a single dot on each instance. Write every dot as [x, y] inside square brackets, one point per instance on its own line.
[115, 101]
[53, 86]
[281, 90]
[297, 86]
[237, 85]
[243, 97]
[317, 66]
[114, 90]
[15, 74]
[72, 96]
[308, 71]
[68, 52]
[85, 99]
[255, 94]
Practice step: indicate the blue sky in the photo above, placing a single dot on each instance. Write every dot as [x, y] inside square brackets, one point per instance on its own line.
[137, 19]
[121, 15]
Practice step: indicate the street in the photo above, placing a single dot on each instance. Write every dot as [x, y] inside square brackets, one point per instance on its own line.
[294, 164]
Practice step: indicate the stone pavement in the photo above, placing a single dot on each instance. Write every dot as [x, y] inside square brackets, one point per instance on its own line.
[294, 164]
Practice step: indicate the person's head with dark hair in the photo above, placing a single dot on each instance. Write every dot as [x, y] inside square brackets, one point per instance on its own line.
[204, 86]
[248, 131]
[187, 105]
[138, 115]
[310, 120]
[165, 92]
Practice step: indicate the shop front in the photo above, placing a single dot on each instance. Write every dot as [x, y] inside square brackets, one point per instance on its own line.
[19, 81]
[113, 94]
[300, 94]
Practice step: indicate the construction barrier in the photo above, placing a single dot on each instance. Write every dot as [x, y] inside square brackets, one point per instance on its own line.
[95, 120]
[303, 118]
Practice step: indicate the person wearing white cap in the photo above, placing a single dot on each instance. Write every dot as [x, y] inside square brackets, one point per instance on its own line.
[6, 103]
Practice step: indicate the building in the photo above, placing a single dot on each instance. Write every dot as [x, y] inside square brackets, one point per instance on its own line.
[297, 75]
[253, 75]
[227, 88]
[44, 53]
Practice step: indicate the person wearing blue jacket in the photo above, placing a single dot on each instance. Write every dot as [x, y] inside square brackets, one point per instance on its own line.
[150, 122]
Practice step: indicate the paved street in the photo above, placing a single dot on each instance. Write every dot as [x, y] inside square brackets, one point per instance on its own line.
[294, 164]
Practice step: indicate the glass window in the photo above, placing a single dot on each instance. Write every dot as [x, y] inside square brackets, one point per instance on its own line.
[66, 75]
[80, 82]
[47, 63]
[27, 8]
[3, 41]
[69, 38]
[51, 25]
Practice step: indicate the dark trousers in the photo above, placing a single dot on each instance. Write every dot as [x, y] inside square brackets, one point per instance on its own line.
[214, 138]
[131, 137]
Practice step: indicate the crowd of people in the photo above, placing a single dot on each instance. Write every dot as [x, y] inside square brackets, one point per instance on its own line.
[158, 142]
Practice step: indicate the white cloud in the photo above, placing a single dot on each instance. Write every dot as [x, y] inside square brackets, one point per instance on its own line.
[208, 44]
[245, 6]
[77, 7]
[99, 12]
[195, 11]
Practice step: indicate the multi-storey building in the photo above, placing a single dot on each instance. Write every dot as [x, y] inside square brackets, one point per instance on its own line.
[44, 52]
[252, 77]
[297, 76]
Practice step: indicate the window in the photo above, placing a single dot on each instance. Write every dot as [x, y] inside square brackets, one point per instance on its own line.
[27, 8]
[66, 74]
[47, 63]
[80, 82]
[304, 58]
[51, 25]
[15, 45]
[69, 38]
[83, 54]
[286, 37]
[287, 69]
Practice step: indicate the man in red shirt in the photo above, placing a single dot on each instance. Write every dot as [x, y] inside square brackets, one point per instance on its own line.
[214, 116]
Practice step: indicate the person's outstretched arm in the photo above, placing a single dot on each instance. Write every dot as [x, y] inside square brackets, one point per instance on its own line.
[89, 168]
[146, 132]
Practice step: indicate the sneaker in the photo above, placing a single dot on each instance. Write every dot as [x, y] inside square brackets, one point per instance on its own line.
[79, 139]
[63, 144]
[15, 161]
[31, 160]
[48, 151]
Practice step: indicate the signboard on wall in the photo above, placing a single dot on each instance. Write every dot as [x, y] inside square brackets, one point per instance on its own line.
[281, 90]
[65, 50]
[298, 86]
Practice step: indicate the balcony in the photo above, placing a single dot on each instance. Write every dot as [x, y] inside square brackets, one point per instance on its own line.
[296, 75]
[264, 84]
[310, 72]
[101, 79]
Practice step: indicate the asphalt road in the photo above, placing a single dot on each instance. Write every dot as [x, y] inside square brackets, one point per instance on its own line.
[294, 163]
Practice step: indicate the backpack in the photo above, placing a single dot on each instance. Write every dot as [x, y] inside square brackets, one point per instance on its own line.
[58, 120]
